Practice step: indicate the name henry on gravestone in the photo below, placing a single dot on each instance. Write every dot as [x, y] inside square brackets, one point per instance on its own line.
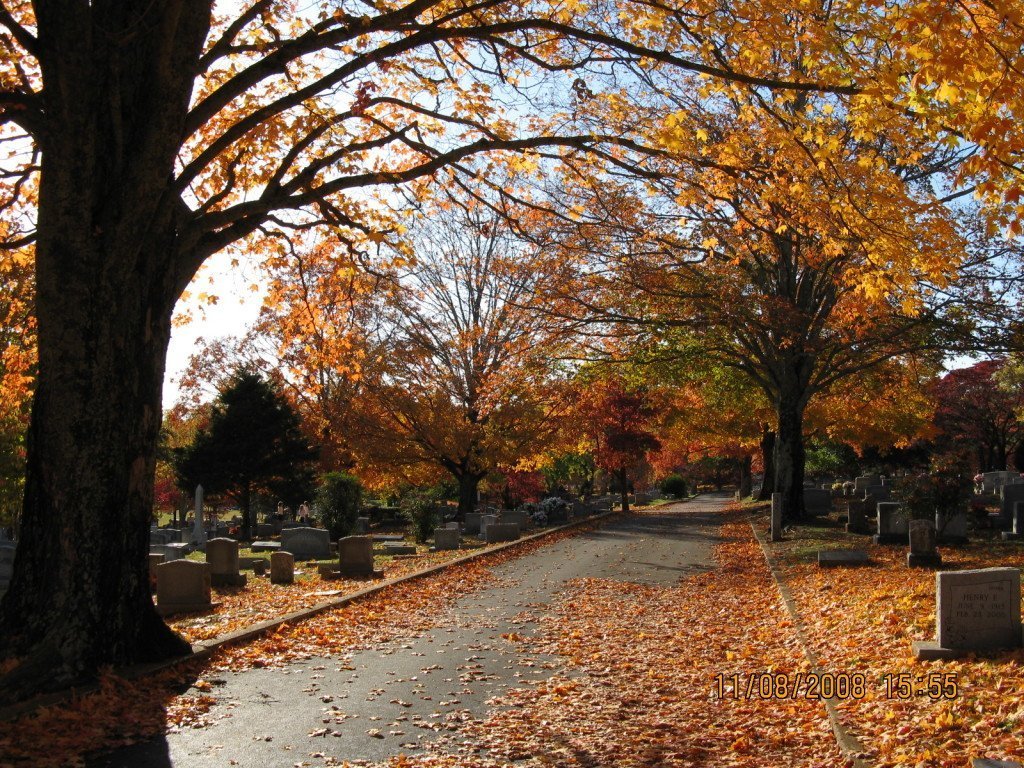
[977, 610]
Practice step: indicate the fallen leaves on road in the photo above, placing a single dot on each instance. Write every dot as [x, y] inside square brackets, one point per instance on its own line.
[638, 688]
[123, 712]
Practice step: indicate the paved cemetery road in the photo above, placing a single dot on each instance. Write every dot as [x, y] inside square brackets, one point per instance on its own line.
[406, 688]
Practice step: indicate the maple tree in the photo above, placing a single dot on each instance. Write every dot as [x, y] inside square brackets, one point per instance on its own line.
[976, 417]
[467, 384]
[621, 422]
[17, 374]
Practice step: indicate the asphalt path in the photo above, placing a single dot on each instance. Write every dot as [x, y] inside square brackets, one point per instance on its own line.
[393, 698]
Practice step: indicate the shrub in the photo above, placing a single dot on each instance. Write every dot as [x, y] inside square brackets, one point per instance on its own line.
[337, 503]
[420, 509]
[923, 495]
[674, 485]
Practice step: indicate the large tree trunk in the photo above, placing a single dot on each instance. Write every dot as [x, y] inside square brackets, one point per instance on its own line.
[469, 483]
[768, 459]
[117, 80]
[789, 453]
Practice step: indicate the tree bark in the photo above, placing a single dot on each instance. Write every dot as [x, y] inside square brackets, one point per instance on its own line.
[117, 79]
[768, 459]
[469, 482]
[789, 453]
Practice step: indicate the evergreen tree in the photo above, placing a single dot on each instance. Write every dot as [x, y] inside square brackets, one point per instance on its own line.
[252, 443]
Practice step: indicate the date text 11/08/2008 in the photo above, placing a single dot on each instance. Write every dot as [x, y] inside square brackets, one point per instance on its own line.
[811, 685]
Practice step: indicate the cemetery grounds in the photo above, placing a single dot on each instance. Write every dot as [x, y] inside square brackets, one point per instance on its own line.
[650, 676]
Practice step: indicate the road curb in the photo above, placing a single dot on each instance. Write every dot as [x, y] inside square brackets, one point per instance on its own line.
[206, 648]
[850, 746]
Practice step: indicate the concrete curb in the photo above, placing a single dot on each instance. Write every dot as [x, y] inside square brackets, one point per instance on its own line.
[206, 648]
[850, 746]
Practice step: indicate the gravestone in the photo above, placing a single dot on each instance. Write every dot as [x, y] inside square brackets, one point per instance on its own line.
[362, 526]
[862, 482]
[857, 516]
[307, 543]
[175, 551]
[517, 516]
[265, 546]
[398, 548]
[446, 538]
[264, 530]
[495, 532]
[951, 529]
[198, 537]
[977, 610]
[892, 523]
[182, 586]
[879, 492]
[282, 568]
[990, 481]
[222, 555]
[473, 522]
[1008, 496]
[486, 520]
[922, 554]
[829, 558]
[817, 501]
[453, 526]
[1016, 531]
[775, 532]
[355, 556]
[160, 537]
[155, 559]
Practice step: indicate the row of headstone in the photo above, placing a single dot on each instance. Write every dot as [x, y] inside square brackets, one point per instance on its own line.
[991, 482]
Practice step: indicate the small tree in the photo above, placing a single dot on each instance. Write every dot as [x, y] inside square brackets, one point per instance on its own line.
[252, 443]
[674, 485]
[337, 503]
[420, 509]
